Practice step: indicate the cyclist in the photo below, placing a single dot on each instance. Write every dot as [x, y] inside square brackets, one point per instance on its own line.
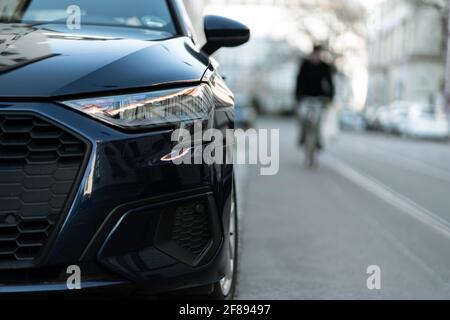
[314, 81]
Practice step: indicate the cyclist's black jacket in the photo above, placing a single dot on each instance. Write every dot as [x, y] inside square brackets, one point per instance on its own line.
[314, 80]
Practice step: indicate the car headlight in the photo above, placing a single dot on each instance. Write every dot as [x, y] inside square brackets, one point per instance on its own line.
[143, 110]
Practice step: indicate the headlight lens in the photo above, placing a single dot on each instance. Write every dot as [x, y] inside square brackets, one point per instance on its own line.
[143, 110]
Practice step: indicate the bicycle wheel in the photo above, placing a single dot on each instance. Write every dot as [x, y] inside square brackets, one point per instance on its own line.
[311, 148]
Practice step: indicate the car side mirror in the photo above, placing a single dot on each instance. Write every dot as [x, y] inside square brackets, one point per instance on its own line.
[223, 32]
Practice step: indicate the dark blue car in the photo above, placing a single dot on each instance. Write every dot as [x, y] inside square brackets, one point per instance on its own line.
[90, 94]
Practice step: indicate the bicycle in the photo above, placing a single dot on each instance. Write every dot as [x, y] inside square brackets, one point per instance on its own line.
[310, 116]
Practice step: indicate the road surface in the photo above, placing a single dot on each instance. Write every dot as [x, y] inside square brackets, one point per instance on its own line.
[374, 200]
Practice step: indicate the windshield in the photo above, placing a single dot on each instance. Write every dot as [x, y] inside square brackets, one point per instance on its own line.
[147, 14]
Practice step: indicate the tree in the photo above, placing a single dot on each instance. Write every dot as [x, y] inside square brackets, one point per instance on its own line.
[342, 24]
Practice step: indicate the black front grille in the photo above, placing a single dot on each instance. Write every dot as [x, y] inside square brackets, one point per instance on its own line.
[39, 165]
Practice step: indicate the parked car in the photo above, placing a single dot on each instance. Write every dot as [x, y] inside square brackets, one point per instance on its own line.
[370, 118]
[398, 114]
[86, 118]
[351, 121]
[426, 122]
[389, 118]
[245, 114]
[383, 119]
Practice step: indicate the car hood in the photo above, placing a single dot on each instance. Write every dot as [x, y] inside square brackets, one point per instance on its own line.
[50, 61]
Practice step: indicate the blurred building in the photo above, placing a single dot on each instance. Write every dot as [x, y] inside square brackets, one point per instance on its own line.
[195, 7]
[262, 73]
[196, 10]
[407, 44]
[447, 78]
[283, 31]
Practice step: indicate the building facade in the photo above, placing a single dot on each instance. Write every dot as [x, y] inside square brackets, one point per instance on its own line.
[407, 45]
[196, 9]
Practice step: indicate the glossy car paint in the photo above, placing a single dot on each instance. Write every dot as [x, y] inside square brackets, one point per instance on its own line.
[87, 61]
[123, 168]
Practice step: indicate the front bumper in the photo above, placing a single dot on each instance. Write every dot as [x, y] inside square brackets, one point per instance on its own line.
[125, 221]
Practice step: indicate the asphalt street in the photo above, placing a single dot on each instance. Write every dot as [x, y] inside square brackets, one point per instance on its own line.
[374, 200]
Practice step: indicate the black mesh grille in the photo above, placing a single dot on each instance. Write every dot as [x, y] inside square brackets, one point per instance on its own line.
[39, 164]
[191, 229]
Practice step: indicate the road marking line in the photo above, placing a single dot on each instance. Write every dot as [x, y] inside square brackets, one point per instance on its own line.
[414, 164]
[414, 157]
[392, 238]
[389, 195]
[404, 163]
